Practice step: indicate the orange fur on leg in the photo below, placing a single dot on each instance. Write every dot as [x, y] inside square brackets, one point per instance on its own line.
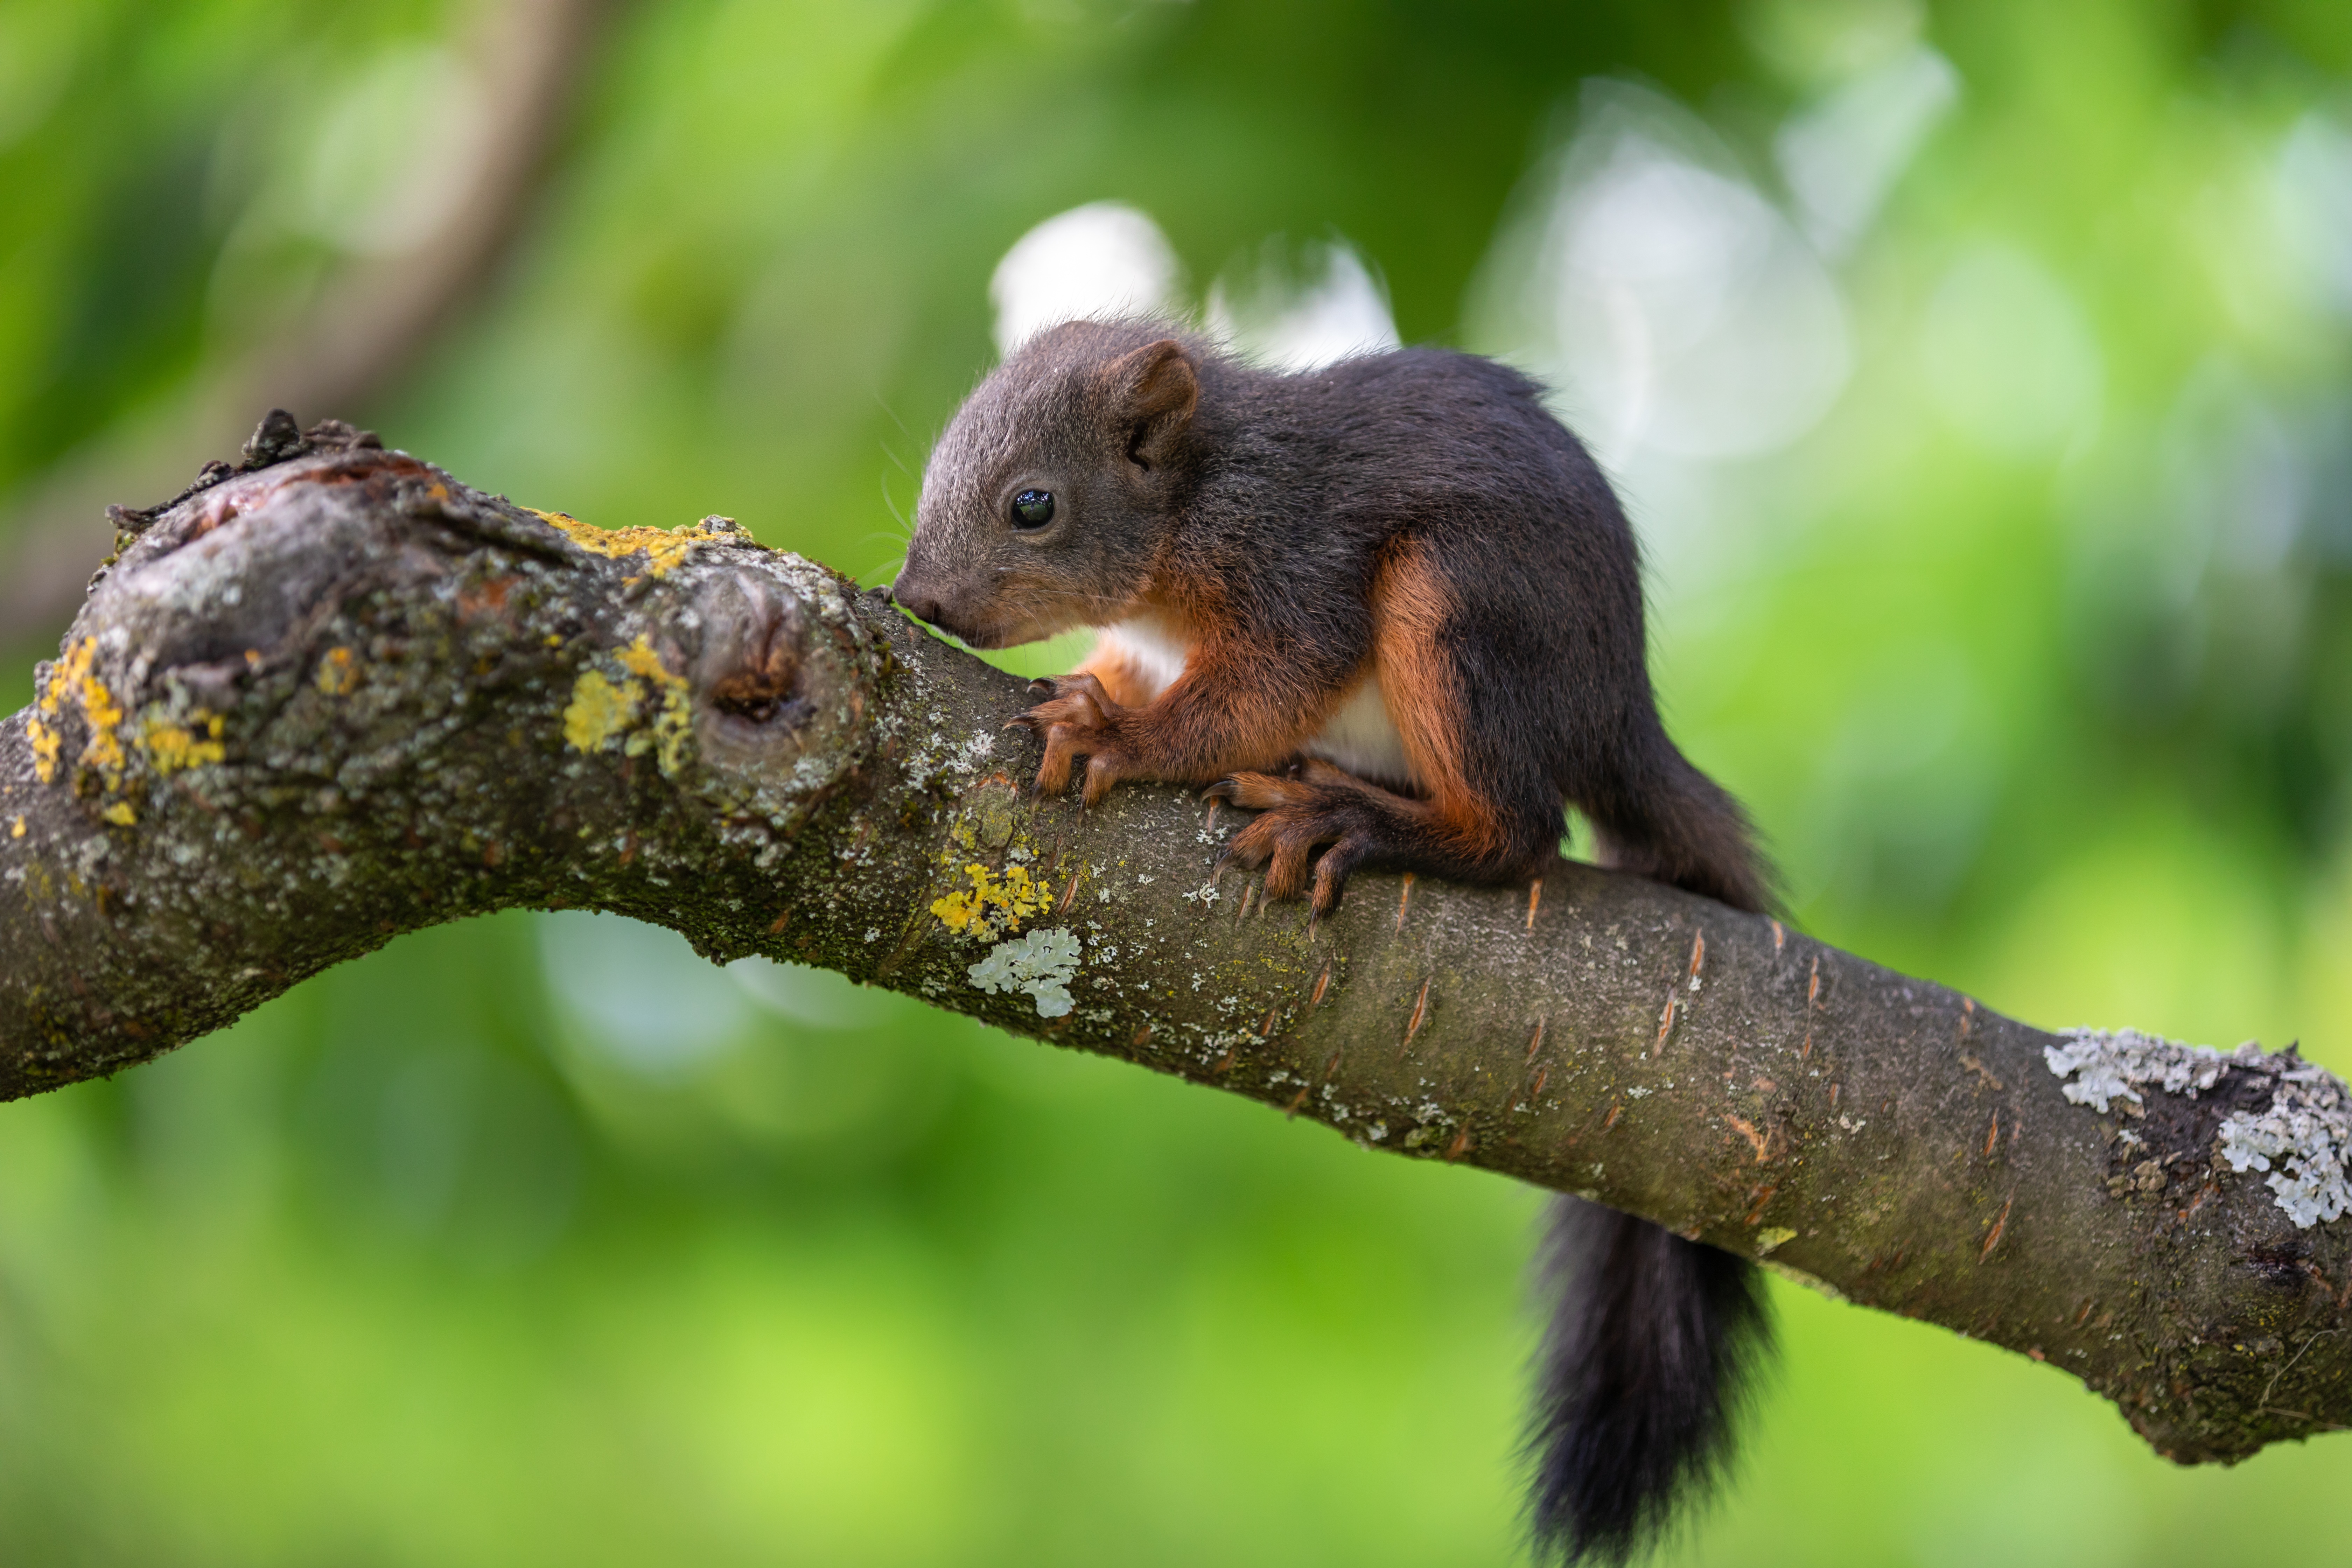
[1411, 606]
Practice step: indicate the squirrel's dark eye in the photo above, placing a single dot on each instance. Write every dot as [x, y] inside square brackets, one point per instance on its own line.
[1033, 508]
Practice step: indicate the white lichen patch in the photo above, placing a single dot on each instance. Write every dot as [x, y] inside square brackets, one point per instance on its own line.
[2306, 1132]
[1041, 963]
[2105, 1067]
[2300, 1140]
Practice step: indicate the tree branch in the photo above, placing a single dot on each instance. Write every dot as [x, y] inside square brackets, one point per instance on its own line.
[339, 695]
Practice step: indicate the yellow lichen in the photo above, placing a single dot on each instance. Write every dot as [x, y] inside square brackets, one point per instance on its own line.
[664, 547]
[104, 714]
[72, 678]
[605, 708]
[119, 814]
[44, 740]
[993, 907]
[53, 689]
[175, 748]
[673, 725]
[640, 658]
[600, 710]
[338, 672]
[17, 831]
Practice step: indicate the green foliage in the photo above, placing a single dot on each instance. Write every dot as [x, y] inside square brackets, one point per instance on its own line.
[2030, 654]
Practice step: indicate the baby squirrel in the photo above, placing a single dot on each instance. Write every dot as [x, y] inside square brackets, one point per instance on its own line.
[1391, 604]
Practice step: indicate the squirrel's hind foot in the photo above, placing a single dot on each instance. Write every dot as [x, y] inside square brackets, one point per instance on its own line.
[1321, 807]
[1317, 804]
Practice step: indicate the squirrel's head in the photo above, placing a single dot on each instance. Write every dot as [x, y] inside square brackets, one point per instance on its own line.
[1049, 496]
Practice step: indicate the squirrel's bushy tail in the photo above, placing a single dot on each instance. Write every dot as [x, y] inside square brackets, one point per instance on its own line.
[1651, 1351]
[1655, 1339]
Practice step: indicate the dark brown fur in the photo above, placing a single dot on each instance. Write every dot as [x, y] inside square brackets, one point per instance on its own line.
[1420, 519]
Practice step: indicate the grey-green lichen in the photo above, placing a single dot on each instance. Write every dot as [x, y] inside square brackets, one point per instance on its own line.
[1041, 963]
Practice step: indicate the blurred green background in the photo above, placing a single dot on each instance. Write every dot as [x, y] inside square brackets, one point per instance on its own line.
[1980, 379]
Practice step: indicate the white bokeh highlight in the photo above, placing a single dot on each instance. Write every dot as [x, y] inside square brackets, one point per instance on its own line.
[1673, 310]
[1104, 259]
[644, 1000]
[1295, 320]
[1841, 156]
[2315, 192]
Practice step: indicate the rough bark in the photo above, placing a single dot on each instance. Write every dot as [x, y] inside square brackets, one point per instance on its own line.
[337, 695]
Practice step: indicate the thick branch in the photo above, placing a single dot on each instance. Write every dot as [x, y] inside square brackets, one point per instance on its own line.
[341, 697]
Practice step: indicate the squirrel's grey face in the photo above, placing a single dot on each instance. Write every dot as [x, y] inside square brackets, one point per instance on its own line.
[1046, 500]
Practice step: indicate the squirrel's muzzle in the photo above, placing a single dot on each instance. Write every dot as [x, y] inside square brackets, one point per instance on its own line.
[922, 606]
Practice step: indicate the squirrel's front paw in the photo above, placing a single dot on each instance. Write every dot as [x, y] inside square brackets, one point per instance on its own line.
[1077, 719]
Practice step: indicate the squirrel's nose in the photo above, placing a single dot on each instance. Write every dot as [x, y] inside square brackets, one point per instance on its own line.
[915, 601]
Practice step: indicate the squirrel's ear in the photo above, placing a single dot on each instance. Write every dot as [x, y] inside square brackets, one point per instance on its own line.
[1155, 390]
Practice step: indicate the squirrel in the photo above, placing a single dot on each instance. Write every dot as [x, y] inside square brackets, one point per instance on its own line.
[1392, 605]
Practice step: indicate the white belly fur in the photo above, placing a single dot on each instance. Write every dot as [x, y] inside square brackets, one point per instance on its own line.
[1360, 737]
[1154, 651]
